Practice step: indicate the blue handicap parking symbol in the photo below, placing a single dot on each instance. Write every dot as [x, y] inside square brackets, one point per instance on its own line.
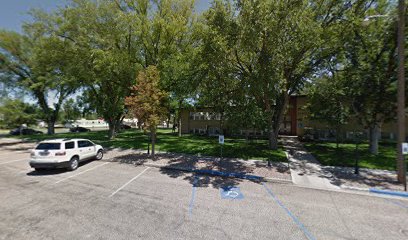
[231, 193]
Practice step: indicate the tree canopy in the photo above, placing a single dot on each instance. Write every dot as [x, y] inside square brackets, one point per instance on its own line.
[147, 101]
[243, 58]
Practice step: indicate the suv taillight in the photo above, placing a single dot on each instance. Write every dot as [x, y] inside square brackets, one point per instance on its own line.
[60, 154]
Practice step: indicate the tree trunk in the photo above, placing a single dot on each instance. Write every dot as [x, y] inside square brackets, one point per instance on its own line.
[276, 119]
[338, 132]
[50, 127]
[273, 139]
[153, 134]
[374, 137]
[111, 133]
[114, 125]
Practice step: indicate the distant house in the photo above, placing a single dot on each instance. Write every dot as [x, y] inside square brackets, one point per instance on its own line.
[297, 122]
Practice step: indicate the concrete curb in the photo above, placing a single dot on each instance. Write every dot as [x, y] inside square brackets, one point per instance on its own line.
[388, 192]
[219, 173]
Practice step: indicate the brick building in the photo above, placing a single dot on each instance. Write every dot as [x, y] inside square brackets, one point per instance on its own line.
[296, 122]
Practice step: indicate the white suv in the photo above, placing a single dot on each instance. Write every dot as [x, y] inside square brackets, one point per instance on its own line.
[64, 153]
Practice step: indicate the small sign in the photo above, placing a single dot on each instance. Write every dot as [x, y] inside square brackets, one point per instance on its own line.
[221, 139]
[231, 193]
[404, 148]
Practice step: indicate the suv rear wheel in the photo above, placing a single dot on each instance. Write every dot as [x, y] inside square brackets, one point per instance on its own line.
[73, 163]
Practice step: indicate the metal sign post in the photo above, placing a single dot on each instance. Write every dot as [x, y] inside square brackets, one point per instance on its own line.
[405, 152]
[221, 141]
[357, 139]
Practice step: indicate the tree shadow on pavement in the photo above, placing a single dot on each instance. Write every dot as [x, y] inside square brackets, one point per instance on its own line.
[181, 166]
[367, 178]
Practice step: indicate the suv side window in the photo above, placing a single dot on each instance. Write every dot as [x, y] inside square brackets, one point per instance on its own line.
[82, 144]
[69, 145]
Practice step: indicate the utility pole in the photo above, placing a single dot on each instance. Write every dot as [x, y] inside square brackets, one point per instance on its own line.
[401, 165]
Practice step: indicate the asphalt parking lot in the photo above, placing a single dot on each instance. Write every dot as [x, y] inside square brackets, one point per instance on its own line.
[111, 200]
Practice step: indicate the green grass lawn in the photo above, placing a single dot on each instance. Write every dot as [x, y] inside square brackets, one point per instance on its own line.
[169, 142]
[345, 156]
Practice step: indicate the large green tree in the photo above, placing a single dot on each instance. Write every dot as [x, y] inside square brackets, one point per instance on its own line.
[116, 39]
[366, 61]
[106, 54]
[266, 51]
[32, 62]
[371, 68]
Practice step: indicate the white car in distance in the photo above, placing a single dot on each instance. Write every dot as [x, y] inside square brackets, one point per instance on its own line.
[64, 153]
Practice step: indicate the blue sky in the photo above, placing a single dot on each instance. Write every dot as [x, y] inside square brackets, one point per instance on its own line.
[14, 12]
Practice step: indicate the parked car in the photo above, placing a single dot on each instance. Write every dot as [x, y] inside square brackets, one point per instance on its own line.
[125, 126]
[25, 131]
[64, 153]
[79, 129]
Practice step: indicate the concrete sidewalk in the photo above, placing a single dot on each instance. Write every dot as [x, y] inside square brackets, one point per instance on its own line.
[307, 171]
[304, 168]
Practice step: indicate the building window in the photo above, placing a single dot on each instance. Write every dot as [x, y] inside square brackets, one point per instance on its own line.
[205, 116]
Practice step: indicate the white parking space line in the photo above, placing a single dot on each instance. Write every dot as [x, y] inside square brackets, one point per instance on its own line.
[25, 159]
[129, 182]
[81, 172]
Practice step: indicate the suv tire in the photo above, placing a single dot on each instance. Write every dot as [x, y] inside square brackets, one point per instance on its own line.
[99, 155]
[73, 163]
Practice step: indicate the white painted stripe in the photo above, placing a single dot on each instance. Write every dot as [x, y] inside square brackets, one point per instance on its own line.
[129, 182]
[81, 172]
[25, 159]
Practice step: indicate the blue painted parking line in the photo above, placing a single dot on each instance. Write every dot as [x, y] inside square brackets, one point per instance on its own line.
[294, 218]
[193, 193]
[231, 192]
[388, 192]
[397, 203]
